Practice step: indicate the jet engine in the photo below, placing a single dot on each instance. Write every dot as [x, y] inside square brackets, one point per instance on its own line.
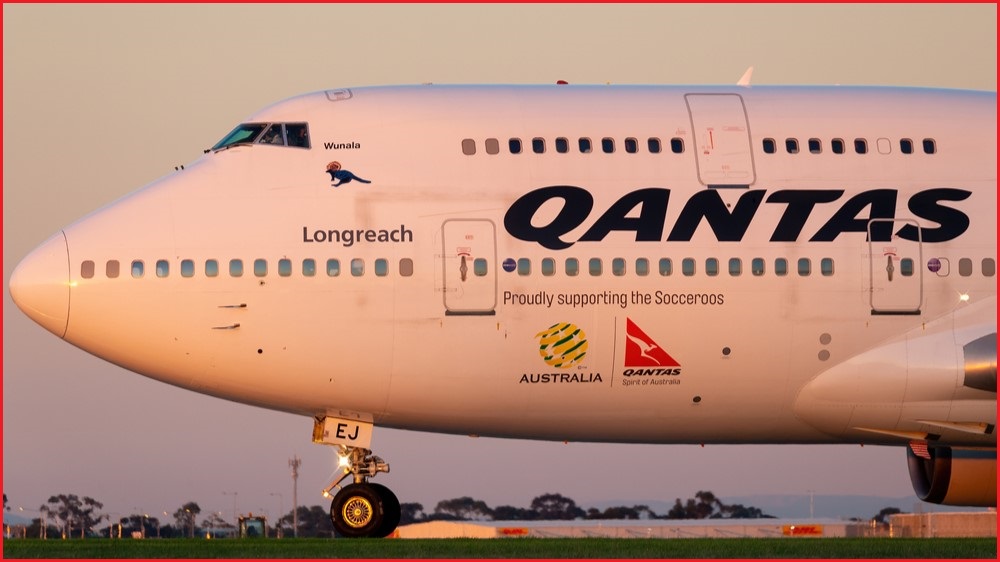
[953, 476]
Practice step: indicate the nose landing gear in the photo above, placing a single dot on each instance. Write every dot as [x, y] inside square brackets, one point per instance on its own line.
[362, 509]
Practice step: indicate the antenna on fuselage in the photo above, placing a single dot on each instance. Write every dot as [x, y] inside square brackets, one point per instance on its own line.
[745, 79]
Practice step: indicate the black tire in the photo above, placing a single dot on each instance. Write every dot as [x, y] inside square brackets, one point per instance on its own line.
[357, 511]
[390, 510]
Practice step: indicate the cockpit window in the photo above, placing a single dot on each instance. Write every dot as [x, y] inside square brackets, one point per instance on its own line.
[245, 133]
[274, 134]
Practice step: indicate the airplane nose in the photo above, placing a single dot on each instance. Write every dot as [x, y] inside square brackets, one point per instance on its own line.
[40, 285]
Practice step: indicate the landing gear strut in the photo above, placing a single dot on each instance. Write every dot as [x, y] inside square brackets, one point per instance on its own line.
[362, 509]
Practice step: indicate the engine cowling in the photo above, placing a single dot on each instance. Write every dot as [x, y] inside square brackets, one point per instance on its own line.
[954, 476]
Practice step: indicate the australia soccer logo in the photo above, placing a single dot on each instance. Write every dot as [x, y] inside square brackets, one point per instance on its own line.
[340, 176]
[562, 345]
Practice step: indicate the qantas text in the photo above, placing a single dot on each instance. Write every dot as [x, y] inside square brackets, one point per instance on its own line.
[644, 212]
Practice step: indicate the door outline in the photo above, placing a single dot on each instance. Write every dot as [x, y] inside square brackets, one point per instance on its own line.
[889, 291]
[466, 292]
[721, 129]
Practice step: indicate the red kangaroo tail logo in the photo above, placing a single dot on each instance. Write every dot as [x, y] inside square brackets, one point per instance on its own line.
[642, 351]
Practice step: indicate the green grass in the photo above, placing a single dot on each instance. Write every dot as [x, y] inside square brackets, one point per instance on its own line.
[503, 548]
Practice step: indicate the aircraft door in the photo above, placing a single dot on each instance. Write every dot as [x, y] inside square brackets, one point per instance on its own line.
[895, 276]
[722, 140]
[469, 277]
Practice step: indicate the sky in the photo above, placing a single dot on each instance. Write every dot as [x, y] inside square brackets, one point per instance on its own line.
[99, 100]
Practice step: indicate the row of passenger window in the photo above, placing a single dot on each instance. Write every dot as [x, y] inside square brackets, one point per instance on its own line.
[236, 268]
[584, 145]
[665, 267]
[839, 146]
[523, 267]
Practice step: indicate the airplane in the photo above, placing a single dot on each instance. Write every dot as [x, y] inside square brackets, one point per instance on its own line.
[632, 264]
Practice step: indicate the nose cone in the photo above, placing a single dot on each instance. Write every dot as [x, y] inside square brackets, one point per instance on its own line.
[40, 285]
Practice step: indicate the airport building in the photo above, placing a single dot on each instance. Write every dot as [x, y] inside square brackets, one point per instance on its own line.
[633, 528]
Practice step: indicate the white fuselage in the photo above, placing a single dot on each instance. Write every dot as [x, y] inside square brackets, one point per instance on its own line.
[452, 265]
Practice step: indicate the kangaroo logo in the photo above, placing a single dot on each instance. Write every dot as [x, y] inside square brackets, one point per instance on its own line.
[642, 351]
[340, 176]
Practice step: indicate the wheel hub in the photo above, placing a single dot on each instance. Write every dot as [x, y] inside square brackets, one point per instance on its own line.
[358, 512]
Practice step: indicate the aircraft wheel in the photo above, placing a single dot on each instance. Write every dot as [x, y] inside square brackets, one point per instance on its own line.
[390, 510]
[357, 511]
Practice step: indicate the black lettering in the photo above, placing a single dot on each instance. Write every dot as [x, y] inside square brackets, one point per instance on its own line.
[926, 205]
[648, 226]
[708, 204]
[882, 203]
[800, 206]
[577, 203]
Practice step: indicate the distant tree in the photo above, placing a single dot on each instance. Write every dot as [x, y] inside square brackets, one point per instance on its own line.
[215, 525]
[410, 513]
[313, 522]
[740, 511]
[5, 506]
[185, 517]
[75, 513]
[556, 507]
[882, 517]
[621, 512]
[464, 509]
[511, 513]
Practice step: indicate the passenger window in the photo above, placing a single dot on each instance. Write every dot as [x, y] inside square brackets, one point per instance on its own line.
[989, 267]
[965, 267]
[826, 267]
[111, 269]
[642, 267]
[618, 267]
[538, 145]
[653, 144]
[781, 267]
[87, 269]
[676, 145]
[735, 267]
[548, 267]
[357, 267]
[930, 147]
[308, 267]
[162, 268]
[523, 266]
[562, 145]
[468, 147]
[792, 146]
[861, 146]
[757, 267]
[712, 267]
[805, 267]
[585, 146]
[906, 267]
[297, 134]
[666, 267]
[514, 145]
[608, 145]
[260, 268]
[837, 146]
[572, 267]
[187, 268]
[687, 267]
[236, 268]
[596, 267]
[815, 146]
[768, 145]
[492, 146]
[381, 267]
[906, 146]
[211, 268]
[631, 145]
[406, 267]
[285, 267]
[480, 267]
[138, 269]
[332, 268]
